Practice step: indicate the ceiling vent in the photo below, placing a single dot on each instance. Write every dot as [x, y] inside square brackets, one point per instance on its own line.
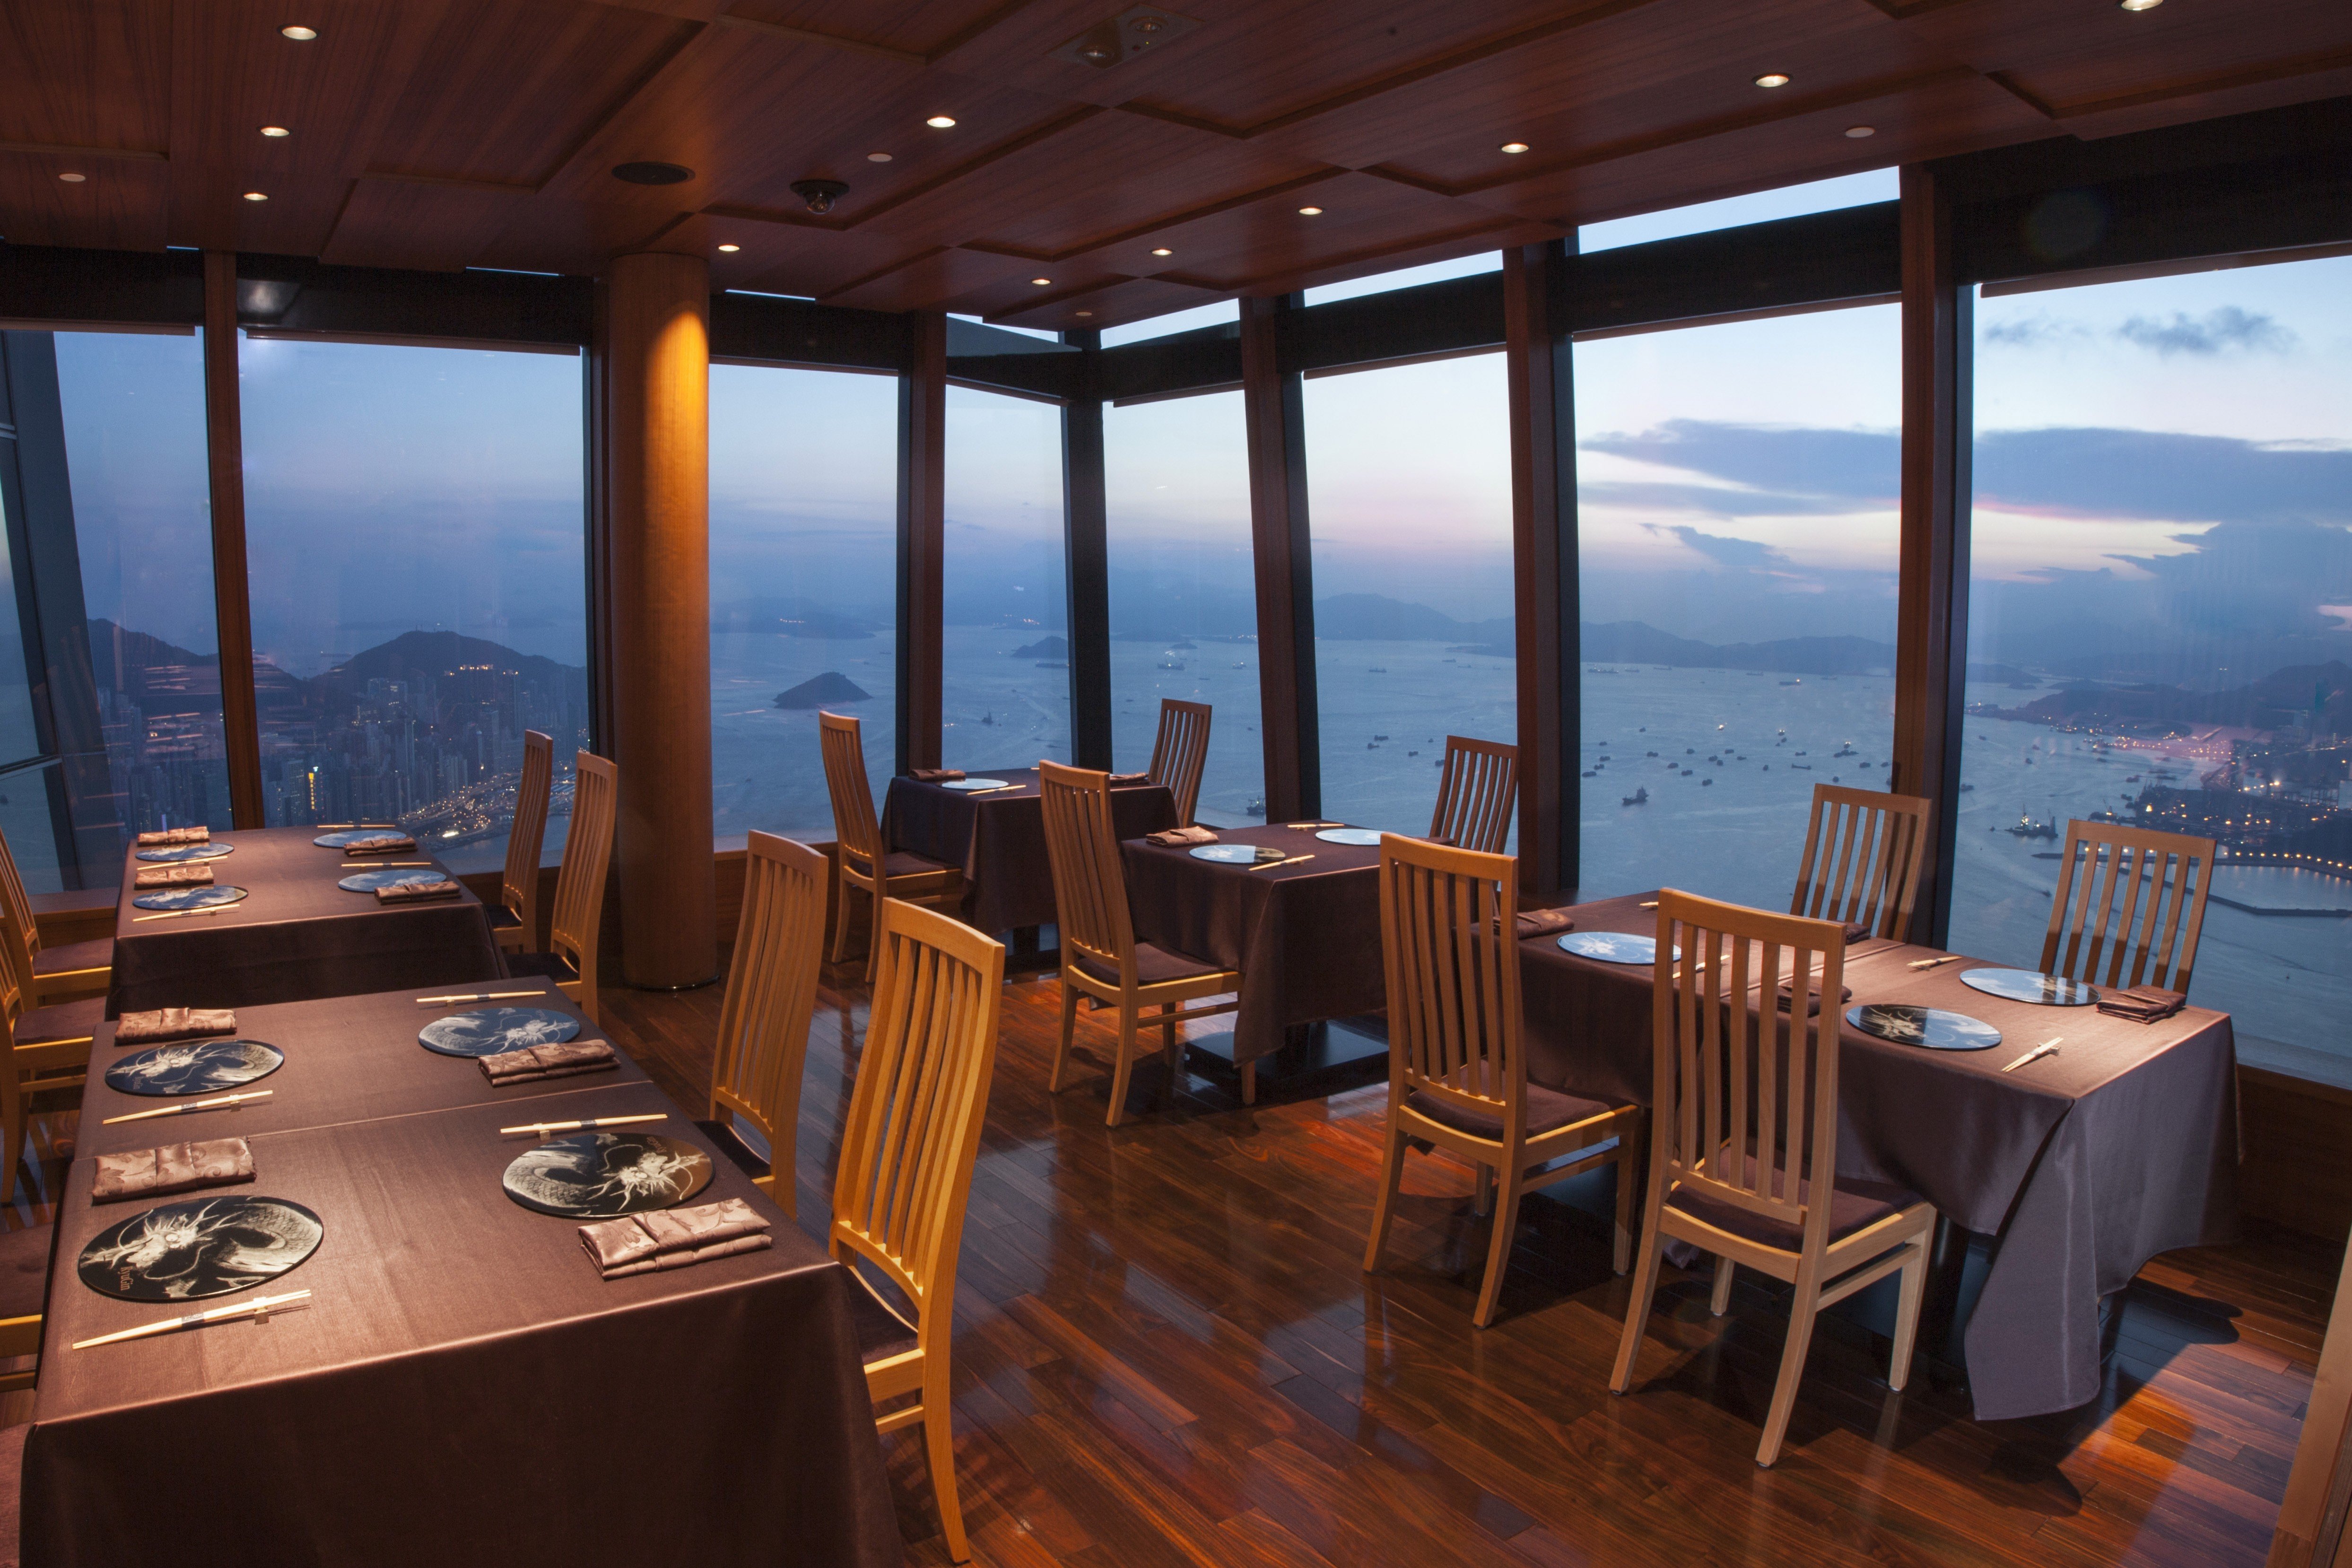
[1120, 38]
[653, 174]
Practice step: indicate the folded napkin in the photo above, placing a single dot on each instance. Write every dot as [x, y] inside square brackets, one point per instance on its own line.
[935, 775]
[174, 1168]
[163, 837]
[673, 1238]
[1858, 930]
[548, 1061]
[411, 892]
[173, 1023]
[1788, 993]
[1177, 837]
[1543, 923]
[1120, 781]
[184, 875]
[2147, 1004]
[380, 844]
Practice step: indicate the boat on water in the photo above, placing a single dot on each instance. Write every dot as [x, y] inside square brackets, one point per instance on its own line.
[2028, 828]
[1639, 797]
[1793, 683]
[1256, 808]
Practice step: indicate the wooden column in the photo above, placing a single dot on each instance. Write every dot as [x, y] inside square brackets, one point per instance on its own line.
[1274, 409]
[922, 538]
[1086, 521]
[1544, 582]
[658, 575]
[232, 597]
[1932, 627]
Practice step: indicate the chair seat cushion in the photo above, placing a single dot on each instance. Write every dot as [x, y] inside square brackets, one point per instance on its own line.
[502, 917]
[96, 953]
[907, 863]
[880, 1332]
[731, 1143]
[65, 1021]
[25, 1269]
[1153, 966]
[1855, 1205]
[538, 966]
[1547, 1109]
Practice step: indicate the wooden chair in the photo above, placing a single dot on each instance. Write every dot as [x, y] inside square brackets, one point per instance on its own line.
[1733, 1118]
[764, 1024]
[1861, 866]
[1457, 1066]
[35, 1067]
[861, 859]
[1182, 752]
[515, 921]
[572, 927]
[50, 975]
[1100, 957]
[23, 1290]
[1476, 795]
[2115, 884]
[907, 1153]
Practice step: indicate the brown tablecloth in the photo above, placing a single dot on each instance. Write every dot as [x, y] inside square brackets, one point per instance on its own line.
[1307, 938]
[2081, 1166]
[462, 1388]
[999, 840]
[295, 936]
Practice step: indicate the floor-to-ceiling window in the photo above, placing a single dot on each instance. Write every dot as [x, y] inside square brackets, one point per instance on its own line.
[1737, 508]
[2160, 622]
[1005, 688]
[1409, 480]
[415, 546]
[804, 561]
[1184, 603]
[24, 773]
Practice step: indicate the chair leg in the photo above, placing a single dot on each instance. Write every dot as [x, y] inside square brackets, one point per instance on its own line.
[1622, 1255]
[1384, 1205]
[1498, 1250]
[841, 890]
[1481, 1192]
[1802, 1310]
[15, 1153]
[1906, 1315]
[1637, 1307]
[1062, 1049]
[874, 930]
[1720, 1302]
[1126, 1063]
[939, 1448]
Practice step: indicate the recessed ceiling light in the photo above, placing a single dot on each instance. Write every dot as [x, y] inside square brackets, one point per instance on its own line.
[256, 195]
[2139, 5]
[1086, 313]
[731, 249]
[1515, 148]
[1310, 212]
[301, 35]
[1163, 251]
[1859, 131]
[73, 179]
[877, 157]
[941, 121]
[1041, 282]
[1772, 78]
[274, 132]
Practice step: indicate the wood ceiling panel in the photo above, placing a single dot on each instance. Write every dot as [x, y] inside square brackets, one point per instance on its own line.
[929, 279]
[234, 72]
[924, 27]
[120, 204]
[432, 225]
[1020, 291]
[2205, 97]
[785, 257]
[1109, 304]
[208, 209]
[550, 233]
[94, 74]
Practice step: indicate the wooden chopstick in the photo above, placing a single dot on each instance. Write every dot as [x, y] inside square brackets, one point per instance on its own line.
[1651, 904]
[188, 1105]
[476, 997]
[257, 1307]
[585, 1122]
[401, 864]
[1287, 860]
[175, 914]
[1314, 825]
[2048, 1047]
[992, 789]
[1932, 963]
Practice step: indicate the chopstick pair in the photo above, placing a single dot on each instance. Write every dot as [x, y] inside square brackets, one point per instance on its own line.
[474, 996]
[1303, 824]
[186, 1106]
[1936, 963]
[585, 1123]
[2046, 1048]
[177, 914]
[258, 1308]
[1287, 860]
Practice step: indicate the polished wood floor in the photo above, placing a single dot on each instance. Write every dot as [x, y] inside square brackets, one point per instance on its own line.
[1167, 1353]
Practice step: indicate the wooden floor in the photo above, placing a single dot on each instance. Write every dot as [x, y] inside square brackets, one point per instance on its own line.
[1165, 1352]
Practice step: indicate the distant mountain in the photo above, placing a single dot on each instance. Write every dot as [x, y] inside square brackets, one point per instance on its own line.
[1043, 647]
[1635, 642]
[818, 690]
[161, 678]
[1374, 617]
[437, 656]
[2278, 698]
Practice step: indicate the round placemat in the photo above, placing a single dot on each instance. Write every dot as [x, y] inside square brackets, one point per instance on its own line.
[1364, 836]
[965, 786]
[188, 852]
[208, 1246]
[2030, 986]
[1612, 946]
[1932, 1028]
[195, 1067]
[486, 1031]
[189, 897]
[369, 881]
[1237, 854]
[353, 836]
[601, 1175]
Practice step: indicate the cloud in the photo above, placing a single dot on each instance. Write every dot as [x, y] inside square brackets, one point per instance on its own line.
[1713, 499]
[1722, 551]
[2033, 331]
[1788, 460]
[2226, 327]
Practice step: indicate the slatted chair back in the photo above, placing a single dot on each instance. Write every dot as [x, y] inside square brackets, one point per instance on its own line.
[1744, 1091]
[16, 907]
[854, 826]
[587, 856]
[914, 1122]
[1477, 794]
[519, 885]
[1448, 936]
[764, 1024]
[1182, 752]
[1862, 852]
[1089, 880]
[2130, 905]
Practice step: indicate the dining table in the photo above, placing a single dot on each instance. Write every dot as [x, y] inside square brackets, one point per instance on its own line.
[462, 1385]
[998, 837]
[2078, 1167]
[296, 934]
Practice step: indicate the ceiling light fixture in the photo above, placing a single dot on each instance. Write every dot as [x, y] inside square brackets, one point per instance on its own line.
[2139, 5]
[1085, 313]
[1310, 212]
[877, 157]
[301, 35]
[1041, 282]
[1515, 148]
[941, 121]
[820, 194]
[275, 132]
[1859, 131]
[256, 195]
[731, 249]
[1772, 78]
[73, 179]
[1163, 251]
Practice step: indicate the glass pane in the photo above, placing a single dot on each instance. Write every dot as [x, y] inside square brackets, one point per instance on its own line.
[1183, 597]
[803, 587]
[1408, 278]
[1737, 513]
[2160, 622]
[1733, 212]
[1175, 321]
[1409, 474]
[31, 828]
[1006, 689]
[20, 738]
[134, 404]
[415, 526]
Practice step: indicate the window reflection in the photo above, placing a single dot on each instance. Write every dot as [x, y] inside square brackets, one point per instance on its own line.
[1005, 692]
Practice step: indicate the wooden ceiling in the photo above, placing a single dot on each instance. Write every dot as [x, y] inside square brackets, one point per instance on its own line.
[449, 134]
